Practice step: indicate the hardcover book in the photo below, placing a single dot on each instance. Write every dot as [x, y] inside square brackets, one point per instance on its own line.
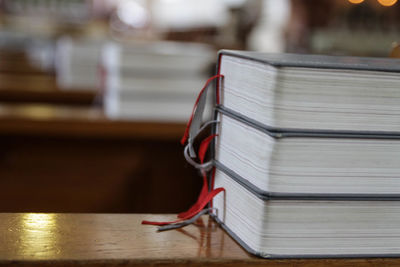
[307, 151]
[310, 92]
[302, 228]
[305, 164]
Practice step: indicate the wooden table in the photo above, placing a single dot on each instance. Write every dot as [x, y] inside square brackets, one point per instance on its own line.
[34, 239]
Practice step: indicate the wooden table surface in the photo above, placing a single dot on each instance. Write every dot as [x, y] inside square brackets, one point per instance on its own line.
[55, 120]
[37, 239]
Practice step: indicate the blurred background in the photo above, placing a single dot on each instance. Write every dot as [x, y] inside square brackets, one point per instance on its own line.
[95, 94]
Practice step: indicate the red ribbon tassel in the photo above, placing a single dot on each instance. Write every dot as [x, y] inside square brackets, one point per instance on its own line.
[203, 203]
[186, 134]
[203, 193]
[204, 198]
[204, 147]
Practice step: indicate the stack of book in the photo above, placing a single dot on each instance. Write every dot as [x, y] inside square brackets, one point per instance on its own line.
[155, 81]
[308, 151]
[78, 63]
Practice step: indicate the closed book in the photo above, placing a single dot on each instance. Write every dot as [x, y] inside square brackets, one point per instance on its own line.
[307, 228]
[310, 92]
[307, 195]
[154, 81]
[306, 149]
[307, 164]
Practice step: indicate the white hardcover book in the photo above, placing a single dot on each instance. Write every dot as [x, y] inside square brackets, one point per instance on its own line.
[310, 92]
[166, 57]
[307, 228]
[155, 81]
[318, 164]
[78, 63]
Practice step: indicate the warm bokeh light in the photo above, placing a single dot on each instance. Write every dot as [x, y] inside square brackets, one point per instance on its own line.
[356, 1]
[387, 2]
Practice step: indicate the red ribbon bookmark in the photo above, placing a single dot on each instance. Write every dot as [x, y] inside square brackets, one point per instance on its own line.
[186, 134]
[203, 203]
[205, 196]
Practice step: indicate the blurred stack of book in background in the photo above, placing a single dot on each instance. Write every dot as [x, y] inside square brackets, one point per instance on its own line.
[155, 81]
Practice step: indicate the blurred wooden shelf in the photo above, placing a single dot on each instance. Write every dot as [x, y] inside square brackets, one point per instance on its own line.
[17, 62]
[74, 159]
[34, 239]
[34, 82]
[53, 120]
[60, 153]
[23, 82]
[39, 88]
[12, 66]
